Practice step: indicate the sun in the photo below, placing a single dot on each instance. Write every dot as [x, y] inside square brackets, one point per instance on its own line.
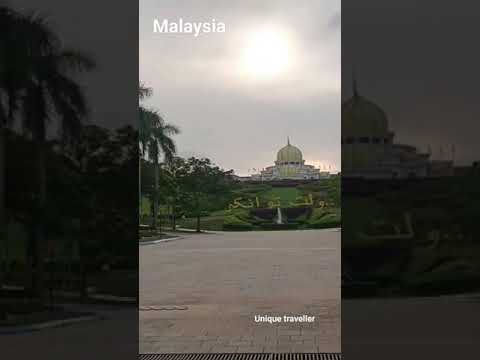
[267, 54]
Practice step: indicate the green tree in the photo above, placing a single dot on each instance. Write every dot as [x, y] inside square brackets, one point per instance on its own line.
[160, 142]
[38, 87]
[144, 132]
[155, 140]
[201, 182]
[171, 189]
[7, 23]
[16, 45]
[103, 161]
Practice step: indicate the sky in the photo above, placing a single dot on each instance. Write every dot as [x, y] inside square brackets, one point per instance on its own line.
[420, 67]
[419, 62]
[108, 34]
[223, 91]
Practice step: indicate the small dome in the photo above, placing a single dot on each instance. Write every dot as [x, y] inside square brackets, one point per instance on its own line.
[361, 117]
[289, 153]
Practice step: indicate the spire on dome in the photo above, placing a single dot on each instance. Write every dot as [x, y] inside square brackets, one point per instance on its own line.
[288, 140]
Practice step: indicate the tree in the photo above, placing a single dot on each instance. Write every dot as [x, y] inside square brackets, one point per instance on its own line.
[103, 161]
[160, 142]
[14, 60]
[172, 191]
[37, 86]
[144, 133]
[201, 182]
[7, 20]
[155, 139]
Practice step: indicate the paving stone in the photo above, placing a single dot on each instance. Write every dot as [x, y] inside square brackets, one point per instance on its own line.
[226, 279]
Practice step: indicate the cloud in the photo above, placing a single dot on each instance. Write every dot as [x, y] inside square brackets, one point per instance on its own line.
[238, 121]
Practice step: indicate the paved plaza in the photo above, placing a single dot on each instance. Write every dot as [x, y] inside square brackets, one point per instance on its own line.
[440, 328]
[114, 336]
[200, 293]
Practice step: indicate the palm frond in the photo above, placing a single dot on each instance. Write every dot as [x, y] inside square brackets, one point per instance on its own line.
[74, 60]
[168, 147]
[170, 129]
[144, 91]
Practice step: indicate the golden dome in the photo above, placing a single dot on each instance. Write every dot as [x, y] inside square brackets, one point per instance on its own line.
[363, 118]
[289, 154]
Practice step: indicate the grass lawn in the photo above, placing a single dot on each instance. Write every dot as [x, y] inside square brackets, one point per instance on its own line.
[286, 194]
[16, 244]
[145, 206]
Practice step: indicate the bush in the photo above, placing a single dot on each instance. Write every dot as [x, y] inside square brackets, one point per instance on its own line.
[194, 214]
[233, 223]
[454, 277]
[326, 221]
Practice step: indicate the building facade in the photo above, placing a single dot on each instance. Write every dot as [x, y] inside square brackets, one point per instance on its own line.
[369, 150]
[290, 166]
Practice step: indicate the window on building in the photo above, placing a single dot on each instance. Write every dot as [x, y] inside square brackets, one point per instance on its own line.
[349, 140]
[364, 140]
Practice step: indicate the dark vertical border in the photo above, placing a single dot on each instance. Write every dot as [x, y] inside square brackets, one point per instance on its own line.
[106, 325]
[412, 66]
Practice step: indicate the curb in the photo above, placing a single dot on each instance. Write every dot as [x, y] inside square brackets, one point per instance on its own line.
[193, 231]
[70, 294]
[45, 325]
[122, 299]
[158, 241]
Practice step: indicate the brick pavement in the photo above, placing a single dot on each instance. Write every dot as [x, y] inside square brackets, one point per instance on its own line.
[114, 337]
[225, 279]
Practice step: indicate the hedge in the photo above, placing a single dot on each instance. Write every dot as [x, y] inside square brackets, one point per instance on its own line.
[233, 223]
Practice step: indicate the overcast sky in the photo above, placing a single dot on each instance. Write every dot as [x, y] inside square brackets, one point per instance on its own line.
[420, 66]
[108, 33]
[419, 61]
[240, 119]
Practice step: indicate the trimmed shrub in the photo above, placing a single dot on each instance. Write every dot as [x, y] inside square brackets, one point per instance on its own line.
[454, 277]
[233, 223]
[326, 221]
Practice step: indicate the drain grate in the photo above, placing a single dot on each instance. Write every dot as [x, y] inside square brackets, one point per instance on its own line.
[250, 356]
[162, 308]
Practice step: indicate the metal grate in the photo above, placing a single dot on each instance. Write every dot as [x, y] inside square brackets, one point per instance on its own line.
[250, 356]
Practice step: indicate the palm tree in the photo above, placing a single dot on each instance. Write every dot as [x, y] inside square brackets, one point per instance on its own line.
[7, 24]
[19, 42]
[40, 89]
[155, 137]
[159, 142]
[144, 134]
[143, 91]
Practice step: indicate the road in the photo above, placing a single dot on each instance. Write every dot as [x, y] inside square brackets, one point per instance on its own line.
[219, 282]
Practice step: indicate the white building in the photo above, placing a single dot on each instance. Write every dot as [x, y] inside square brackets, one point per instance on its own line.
[369, 151]
[290, 166]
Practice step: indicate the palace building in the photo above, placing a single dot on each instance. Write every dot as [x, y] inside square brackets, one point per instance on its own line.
[289, 166]
[369, 151]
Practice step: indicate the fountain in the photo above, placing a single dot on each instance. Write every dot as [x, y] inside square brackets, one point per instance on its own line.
[279, 216]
